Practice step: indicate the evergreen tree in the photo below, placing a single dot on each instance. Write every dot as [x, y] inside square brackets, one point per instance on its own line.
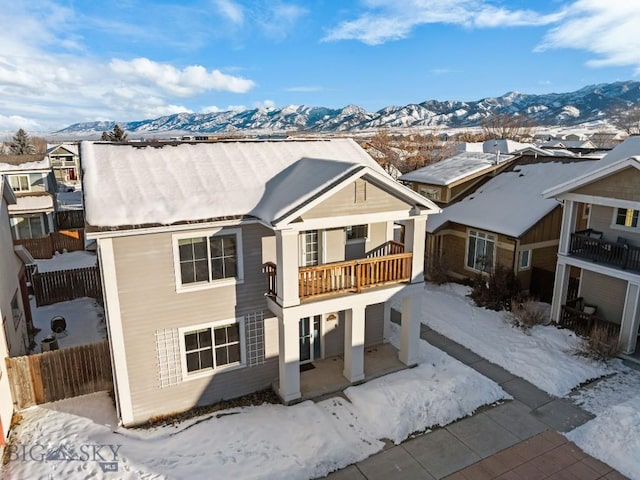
[117, 135]
[21, 144]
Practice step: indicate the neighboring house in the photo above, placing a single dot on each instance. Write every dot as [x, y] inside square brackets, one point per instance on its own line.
[506, 221]
[448, 180]
[496, 145]
[227, 266]
[14, 307]
[603, 255]
[31, 179]
[65, 163]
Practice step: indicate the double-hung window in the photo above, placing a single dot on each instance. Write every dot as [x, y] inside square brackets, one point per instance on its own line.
[208, 259]
[627, 217]
[480, 251]
[356, 232]
[20, 183]
[211, 347]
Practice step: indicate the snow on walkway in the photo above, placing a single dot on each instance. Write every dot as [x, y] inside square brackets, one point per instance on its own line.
[544, 356]
[303, 441]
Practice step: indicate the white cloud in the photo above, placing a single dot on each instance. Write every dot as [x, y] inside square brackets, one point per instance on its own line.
[231, 10]
[279, 18]
[189, 81]
[387, 20]
[15, 122]
[607, 29]
[264, 104]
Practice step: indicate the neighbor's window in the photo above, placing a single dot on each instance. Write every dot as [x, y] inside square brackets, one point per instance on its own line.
[209, 258]
[19, 183]
[525, 259]
[480, 251]
[16, 311]
[627, 217]
[28, 226]
[212, 347]
[430, 193]
[356, 232]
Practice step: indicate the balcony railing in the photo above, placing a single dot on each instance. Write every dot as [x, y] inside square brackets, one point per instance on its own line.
[345, 277]
[598, 250]
[574, 318]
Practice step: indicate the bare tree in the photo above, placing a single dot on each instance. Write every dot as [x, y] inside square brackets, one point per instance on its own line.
[39, 144]
[505, 126]
[602, 139]
[627, 119]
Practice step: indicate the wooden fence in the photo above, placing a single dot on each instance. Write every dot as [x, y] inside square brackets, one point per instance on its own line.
[45, 247]
[60, 374]
[64, 285]
[70, 219]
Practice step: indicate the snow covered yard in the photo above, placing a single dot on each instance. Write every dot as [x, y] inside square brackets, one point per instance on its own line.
[545, 357]
[269, 441]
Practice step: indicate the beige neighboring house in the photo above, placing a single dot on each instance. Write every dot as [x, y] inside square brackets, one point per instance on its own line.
[14, 307]
[65, 162]
[31, 178]
[234, 266]
[603, 256]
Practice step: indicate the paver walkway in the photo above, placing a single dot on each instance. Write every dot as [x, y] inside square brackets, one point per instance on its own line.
[515, 440]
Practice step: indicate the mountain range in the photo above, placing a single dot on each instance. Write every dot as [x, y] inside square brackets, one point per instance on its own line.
[590, 104]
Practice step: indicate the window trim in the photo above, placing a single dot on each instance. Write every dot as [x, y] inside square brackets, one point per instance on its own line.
[18, 175]
[186, 376]
[615, 226]
[359, 239]
[238, 280]
[466, 250]
[527, 266]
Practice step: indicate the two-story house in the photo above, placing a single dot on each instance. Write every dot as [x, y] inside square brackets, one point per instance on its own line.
[65, 163]
[234, 266]
[14, 307]
[599, 259]
[31, 178]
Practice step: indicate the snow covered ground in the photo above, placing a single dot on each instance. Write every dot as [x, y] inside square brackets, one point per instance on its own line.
[67, 261]
[545, 357]
[263, 442]
[84, 317]
[69, 200]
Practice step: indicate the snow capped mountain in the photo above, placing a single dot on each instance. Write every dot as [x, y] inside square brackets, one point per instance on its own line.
[589, 104]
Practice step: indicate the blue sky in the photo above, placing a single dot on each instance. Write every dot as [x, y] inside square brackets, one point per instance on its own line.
[64, 61]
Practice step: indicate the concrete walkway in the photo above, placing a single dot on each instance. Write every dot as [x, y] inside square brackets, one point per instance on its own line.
[515, 440]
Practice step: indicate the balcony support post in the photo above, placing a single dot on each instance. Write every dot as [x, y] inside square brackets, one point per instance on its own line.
[415, 234]
[354, 343]
[630, 319]
[569, 215]
[560, 289]
[409, 331]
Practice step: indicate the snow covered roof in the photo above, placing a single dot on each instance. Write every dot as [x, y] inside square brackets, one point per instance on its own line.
[31, 203]
[492, 146]
[545, 152]
[512, 202]
[455, 168]
[129, 184]
[20, 163]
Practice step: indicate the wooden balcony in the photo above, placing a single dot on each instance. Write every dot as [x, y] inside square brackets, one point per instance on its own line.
[346, 277]
[616, 254]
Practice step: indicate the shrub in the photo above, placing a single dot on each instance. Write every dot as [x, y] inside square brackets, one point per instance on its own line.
[438, 270]
[527, 313]
[496, 290]
[600, 345]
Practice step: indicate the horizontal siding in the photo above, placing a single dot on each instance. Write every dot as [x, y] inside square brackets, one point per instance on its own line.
[622, 186]
[149, 302]
[602, 220]
[374, 325]
[334, 336]
[607, 293]
[343, 203]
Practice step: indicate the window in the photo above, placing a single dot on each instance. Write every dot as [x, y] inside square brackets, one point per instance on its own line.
[28, 226]
[480, 251]
[19, 183]
[627, 217]
[212, 347]
[430, 193]
[356, 232]
[309, 249]
[525, 259]
[16, 311]
[208, 259]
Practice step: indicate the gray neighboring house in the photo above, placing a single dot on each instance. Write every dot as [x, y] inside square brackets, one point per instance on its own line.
[234, 266]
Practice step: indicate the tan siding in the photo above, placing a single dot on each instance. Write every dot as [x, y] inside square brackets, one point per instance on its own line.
[548, 228]
[149, 302]
[607, 293]
[334, 336]
[334, 245]
[622, 185]
[343, 203]
[602, 219]
[377, 235]
[374, 325]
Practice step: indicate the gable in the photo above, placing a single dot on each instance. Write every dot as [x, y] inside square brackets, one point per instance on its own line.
[61, 151]
[358, 197]
[623, 185]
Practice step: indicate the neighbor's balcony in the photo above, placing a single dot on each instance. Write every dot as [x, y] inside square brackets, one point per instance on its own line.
[588, 244]
[383, 266]
[581, 317]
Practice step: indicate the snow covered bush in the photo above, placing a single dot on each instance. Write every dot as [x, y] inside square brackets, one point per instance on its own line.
[495, 291]
[526, 314]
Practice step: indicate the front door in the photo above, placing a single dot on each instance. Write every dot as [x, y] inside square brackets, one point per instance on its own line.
[310, 339]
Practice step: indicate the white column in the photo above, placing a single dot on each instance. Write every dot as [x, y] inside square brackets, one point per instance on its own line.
[354, 344]
[569, 214]
[386, 333]
[287, 268]
[289, 368]
[409, 331]
[414, 235]
[560, 287]
[630, 319]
